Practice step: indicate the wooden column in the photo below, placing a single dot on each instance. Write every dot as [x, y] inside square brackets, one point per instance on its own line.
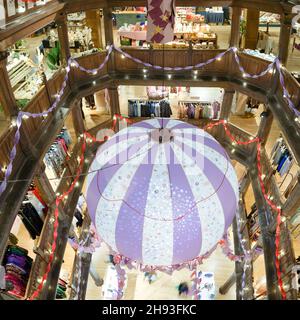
[235, 27]
[10, 108]
[227, 104]
[284, 38]
[114, 100]
[241, 226]
[82, 260]
[77, 118]
[93, 21]
[49, 289]
[252, 28]
[7, 98]
[63, 38]
[238, 265]
[266, 217]
[109, 36]
[228, 284]
[266, 120]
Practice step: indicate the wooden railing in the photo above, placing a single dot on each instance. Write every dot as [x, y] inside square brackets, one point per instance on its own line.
[226, 66]
[89, 62]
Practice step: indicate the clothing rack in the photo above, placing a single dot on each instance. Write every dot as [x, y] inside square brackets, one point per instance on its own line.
[196, 109]
[282, 157]
[149, 108]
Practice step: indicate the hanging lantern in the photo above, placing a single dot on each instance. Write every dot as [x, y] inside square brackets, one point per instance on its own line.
[162, 192]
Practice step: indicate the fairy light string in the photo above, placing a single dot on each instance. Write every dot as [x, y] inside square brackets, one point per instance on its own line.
[94, 71]
[88, 138]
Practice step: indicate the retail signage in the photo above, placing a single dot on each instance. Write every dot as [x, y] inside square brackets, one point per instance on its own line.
[161, 21]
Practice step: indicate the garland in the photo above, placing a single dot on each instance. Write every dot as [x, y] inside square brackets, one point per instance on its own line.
[73, 63]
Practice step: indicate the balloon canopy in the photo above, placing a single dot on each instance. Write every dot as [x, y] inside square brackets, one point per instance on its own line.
[162, 192]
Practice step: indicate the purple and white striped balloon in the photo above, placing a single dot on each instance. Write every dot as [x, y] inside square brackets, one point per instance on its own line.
[162, 192]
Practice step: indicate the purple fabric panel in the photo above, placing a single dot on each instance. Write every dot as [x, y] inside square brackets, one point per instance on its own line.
[143, 124]
[163, 122]
[222, 186]
[130, 223]
[213, 144]
[116, 139]
[187, 229]
[93, 195]
[100, 181]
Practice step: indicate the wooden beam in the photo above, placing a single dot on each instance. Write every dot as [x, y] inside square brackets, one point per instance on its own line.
[273, 6]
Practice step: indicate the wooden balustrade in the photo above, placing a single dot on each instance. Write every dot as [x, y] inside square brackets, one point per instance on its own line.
[54, 84]
[89, 62]
[293, 88]
[252, 65]
[217, 67]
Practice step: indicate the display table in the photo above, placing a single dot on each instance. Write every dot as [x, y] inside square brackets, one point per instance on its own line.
[213, 17]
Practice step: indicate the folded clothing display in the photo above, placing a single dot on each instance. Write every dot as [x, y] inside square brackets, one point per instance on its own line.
[17, 265]
[61, 289]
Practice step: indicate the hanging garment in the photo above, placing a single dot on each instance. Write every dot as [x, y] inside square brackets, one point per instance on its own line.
[191, 111]
[165, 109]
[31, 219]
[285, 166]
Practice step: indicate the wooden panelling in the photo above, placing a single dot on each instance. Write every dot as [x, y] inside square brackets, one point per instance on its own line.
[38, 104]
[125, 64]
[171, 58]
[6, 145]
[293, 88]
[252, 65]
[217, 67]
[89, 62]
[55, 83]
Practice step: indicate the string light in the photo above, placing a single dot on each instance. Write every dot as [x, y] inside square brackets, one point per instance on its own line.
[122, 56]
[219, 59]
[94, 72]
[145, 70]
[195, 72]
[13, 123]
[169, 76]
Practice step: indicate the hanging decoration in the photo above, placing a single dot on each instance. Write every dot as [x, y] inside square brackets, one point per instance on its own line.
[160, 21]
[167, 269]
[185, 183]
[73, 63]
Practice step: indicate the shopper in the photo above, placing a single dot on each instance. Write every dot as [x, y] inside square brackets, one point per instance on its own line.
[183, 288]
